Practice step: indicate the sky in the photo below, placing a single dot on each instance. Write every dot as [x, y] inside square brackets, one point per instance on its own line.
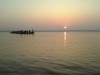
[50, 14]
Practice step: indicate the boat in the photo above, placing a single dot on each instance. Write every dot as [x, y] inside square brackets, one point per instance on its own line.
[23, 32]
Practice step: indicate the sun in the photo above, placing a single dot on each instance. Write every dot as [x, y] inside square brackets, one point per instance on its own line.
[65, 27]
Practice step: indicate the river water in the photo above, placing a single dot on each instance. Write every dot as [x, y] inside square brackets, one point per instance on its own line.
[50, 53]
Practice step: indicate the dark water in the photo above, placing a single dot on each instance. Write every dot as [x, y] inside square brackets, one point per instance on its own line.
[50, 53]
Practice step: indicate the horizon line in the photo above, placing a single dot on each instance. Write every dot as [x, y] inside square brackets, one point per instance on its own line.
[58, 30]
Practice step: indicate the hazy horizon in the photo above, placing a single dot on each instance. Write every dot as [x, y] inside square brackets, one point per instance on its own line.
[49, 15]
[52, 30]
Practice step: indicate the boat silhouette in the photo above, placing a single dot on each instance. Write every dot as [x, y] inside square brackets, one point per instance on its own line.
[23, 32]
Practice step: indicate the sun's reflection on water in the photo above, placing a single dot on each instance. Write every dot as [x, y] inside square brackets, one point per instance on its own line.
[65, 39]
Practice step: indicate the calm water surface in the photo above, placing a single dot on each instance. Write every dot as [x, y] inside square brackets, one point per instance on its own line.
[50, 53]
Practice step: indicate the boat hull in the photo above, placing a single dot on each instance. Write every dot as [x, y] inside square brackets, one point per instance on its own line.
[22, 32]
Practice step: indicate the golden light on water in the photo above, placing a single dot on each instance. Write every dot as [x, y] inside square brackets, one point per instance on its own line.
[64, 39]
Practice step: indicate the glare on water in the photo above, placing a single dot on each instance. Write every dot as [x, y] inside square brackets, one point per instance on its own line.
[64, 39]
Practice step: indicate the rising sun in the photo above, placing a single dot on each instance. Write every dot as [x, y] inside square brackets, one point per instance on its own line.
[65, 27]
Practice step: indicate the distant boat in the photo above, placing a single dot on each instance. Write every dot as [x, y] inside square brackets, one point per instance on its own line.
[23, 32]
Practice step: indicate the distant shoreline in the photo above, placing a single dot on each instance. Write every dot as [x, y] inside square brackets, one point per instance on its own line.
[62, 31]
[70, 31]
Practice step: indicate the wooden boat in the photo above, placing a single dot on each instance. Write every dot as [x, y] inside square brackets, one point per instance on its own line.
[23, 32]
